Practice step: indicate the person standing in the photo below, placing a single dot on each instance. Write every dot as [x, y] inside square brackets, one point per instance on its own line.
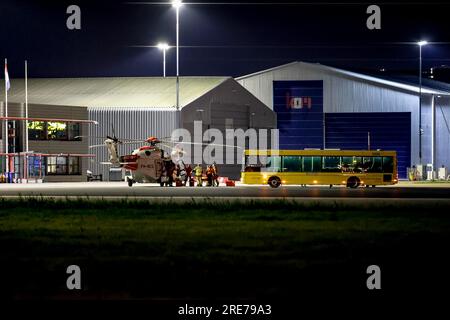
[182, 172]
[164, 178]
[189, 175]
[199, 175]
[170, 172]
[209, 175]
[215, 175]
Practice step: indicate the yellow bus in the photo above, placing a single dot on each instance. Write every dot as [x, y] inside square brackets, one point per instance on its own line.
[351, 168]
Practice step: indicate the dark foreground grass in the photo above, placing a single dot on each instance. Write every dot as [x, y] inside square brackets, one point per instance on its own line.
[275, 250]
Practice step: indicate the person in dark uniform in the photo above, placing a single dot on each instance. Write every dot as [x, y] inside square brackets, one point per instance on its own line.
[215, 175]
[209, 176]
[170, 171]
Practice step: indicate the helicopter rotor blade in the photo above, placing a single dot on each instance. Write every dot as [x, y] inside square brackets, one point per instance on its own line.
[163, 145]
[96, 146]
[204, 144]
[135, 140]
[93, 137]
[132, 142]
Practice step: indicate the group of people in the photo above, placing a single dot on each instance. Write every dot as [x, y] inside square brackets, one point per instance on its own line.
[212, 175]
[183, 174]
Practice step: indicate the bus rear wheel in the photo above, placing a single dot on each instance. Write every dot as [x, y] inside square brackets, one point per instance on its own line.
[353, 182]
[274, 182]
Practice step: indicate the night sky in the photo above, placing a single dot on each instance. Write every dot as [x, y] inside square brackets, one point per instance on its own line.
[217, 38]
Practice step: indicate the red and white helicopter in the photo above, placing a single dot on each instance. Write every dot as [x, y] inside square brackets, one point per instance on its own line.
[151, 163]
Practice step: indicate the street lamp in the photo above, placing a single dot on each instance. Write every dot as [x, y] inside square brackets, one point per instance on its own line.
[177, 4]
[163, 47]
[420, 44]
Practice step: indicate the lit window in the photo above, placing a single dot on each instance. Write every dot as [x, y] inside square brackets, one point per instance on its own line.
[57, 165]
[57, 131]
[36, 130]
[51, 165]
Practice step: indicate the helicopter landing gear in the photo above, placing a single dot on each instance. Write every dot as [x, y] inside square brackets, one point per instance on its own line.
[130, 182]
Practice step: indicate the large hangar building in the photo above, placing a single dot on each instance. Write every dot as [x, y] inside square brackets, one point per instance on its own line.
[323, 107]
[135, 107]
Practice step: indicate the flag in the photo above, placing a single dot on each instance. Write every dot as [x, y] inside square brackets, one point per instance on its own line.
[7, 83]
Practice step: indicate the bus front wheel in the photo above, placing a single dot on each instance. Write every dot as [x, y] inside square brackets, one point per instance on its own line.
[353, 182]
[274, 182]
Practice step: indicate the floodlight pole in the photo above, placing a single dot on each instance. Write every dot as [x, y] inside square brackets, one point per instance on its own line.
[164, 63]
[420, 44]
[6, 137]
[178, 57]
[420, 104]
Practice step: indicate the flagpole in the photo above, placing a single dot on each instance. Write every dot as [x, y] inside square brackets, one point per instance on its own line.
[25, 164]
[6, 121]
[26, 105]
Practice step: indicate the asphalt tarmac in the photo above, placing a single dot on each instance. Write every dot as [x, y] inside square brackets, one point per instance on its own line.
[121, 190]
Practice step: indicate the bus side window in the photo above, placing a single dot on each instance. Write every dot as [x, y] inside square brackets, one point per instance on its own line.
[312, 164]
[388, 164]
[331, 164]
[372, 164]
[273, 164]
[347, 164]
[317, 164]
[292, 164]
[307, 164]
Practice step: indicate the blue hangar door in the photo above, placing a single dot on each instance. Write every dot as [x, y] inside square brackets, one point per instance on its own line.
[388, 131]
[299, 109]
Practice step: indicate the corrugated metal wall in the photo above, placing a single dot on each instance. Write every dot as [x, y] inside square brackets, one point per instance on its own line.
[350, 131]
[442, 132]
[128, 123]
[228, 101]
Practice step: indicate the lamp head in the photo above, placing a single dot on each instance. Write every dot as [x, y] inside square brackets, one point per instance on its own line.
[177, 4]
[163, 46]
[422, 43]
